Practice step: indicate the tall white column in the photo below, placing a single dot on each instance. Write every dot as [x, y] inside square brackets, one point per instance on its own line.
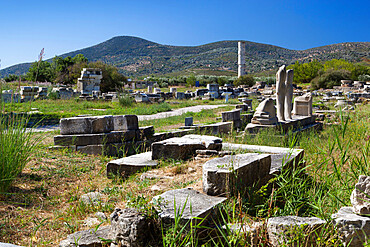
[241, 58]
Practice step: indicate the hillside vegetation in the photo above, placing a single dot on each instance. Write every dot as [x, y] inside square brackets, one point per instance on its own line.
[136, 57]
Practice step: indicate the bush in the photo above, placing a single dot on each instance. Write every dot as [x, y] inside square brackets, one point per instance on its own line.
[330, 78]
[126, 100]
[53, 95]
[16, 148]
[247, 80]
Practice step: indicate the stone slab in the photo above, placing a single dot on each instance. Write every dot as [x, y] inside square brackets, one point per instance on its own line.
[354, 229]
[188, 201]
[233, 173]
[214, 129]
[90, 237]
[93, 139]
[86, 125]
[296, 122]
[231, 115]
[167, 135]
[8, 245]
[145, 132]
[130, 165]
[279, 156]
[125, 122]
[288, 228]
[184, 147]
[115, 149]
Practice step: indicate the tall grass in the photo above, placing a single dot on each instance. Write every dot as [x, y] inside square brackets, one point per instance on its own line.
[16, 147]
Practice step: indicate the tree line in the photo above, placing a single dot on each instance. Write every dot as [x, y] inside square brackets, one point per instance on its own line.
[66, 70]
[330, 73]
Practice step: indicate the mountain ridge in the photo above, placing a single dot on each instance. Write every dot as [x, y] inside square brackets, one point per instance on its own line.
[137, 57]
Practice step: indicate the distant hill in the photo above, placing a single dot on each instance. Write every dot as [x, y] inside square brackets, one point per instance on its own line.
[139, 57]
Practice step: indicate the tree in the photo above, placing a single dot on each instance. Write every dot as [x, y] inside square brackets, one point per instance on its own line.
[40, 71]
[112, 79]
[305, 72]
[330, 78]
[190, 81]
[65, 68]
[247, 80]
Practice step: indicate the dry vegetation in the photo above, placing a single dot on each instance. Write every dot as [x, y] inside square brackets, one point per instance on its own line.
[43, 205]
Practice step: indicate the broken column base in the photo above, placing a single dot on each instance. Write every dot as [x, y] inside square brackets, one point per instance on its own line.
[298, 123]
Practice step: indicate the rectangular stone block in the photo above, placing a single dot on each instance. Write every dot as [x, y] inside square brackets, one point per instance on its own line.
[93, 139]
[231, 174]
[191, 203]
[231, 115]
[126, 122]
[166, 135]
[189, 121]
[115, 149]
[86, 125]
[184, 147]
[216, 129]
[145, 132]
[129, 165]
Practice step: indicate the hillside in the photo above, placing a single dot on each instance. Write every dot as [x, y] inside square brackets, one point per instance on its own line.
[139, 57]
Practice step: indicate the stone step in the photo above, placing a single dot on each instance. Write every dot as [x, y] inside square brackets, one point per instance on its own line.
[86, 125]
[233, 173]
[129, 165]
[93, 139]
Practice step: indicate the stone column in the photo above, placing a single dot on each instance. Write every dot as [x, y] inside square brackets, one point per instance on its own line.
[288, 94]
[241, 58]
[280, 92]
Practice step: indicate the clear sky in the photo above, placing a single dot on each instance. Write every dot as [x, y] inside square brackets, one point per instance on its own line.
[67, 25]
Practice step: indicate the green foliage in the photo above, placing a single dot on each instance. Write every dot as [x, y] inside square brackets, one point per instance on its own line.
[68, 69]
[190, 81]
[327, 74]
[16, 147]
[126, 100]
[330, 78]
[305, 72]
[11, 78]
[247, 80]
[41, 71]
[112, 79]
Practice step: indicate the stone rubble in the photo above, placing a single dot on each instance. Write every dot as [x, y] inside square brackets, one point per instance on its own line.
[360, 197]
[288, 228]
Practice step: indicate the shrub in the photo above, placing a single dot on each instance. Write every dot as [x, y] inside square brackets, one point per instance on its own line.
[126, 100]
[245, 80]
[330, 78]
[53, 95]
[16, 147]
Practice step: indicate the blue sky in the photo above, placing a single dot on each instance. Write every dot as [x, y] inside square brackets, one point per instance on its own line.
[63, 26]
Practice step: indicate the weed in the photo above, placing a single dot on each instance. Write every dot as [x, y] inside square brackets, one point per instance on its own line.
[16, 147]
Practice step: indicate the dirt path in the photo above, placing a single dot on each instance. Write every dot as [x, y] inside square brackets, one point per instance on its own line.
[178, 112]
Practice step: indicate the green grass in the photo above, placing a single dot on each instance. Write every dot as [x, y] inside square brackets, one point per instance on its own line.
[334, 158]
[16, 147]
[75, 107]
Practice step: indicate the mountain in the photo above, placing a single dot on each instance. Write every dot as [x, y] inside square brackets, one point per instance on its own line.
[139, 57]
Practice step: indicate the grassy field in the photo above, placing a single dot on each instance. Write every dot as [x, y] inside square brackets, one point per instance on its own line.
[75, 107]
[42, 206]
